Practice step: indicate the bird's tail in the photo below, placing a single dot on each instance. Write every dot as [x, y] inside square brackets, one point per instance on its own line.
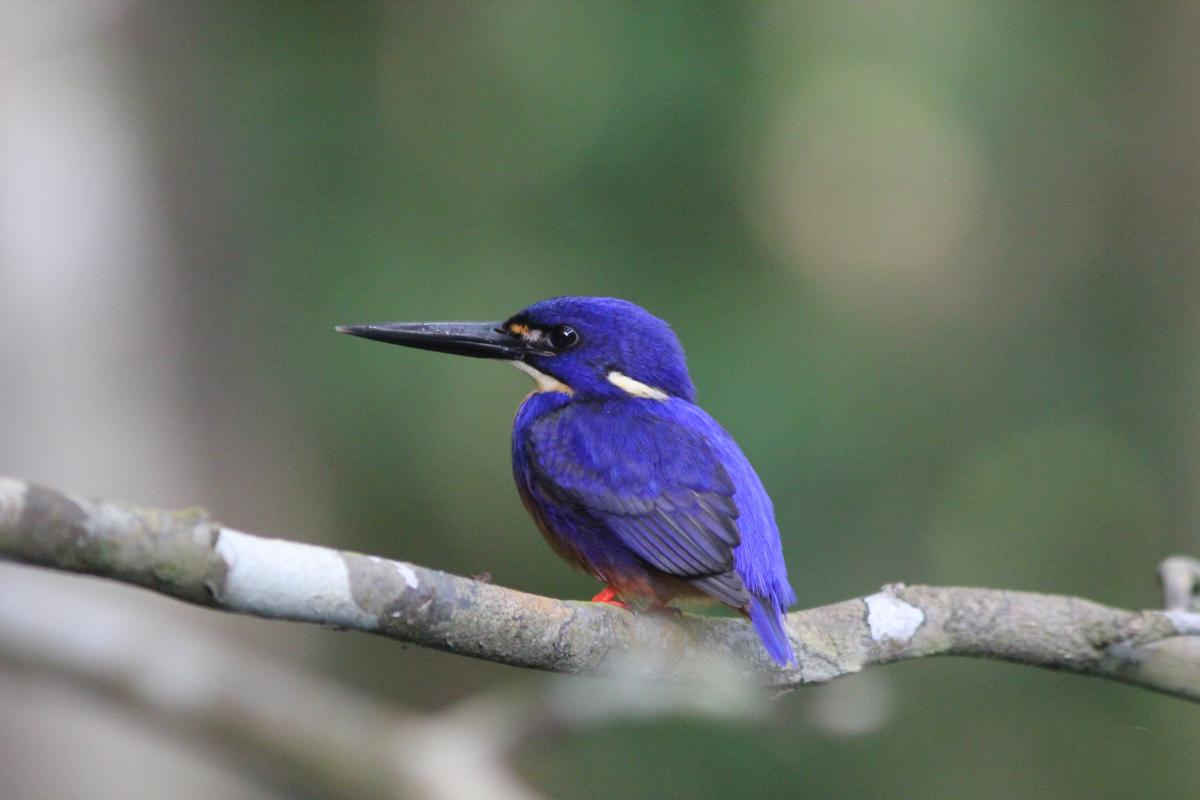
[767, 618]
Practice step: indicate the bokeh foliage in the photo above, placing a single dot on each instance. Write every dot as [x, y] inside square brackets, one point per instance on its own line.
[934, 265]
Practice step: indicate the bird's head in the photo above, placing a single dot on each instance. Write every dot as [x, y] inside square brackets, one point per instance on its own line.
[584, 346]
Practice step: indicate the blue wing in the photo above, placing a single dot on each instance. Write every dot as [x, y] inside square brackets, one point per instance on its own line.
[651, 480]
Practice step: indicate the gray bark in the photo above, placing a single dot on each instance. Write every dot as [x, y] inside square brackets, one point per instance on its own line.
[186, 555]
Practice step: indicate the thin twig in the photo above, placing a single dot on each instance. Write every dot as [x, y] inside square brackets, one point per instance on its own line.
[1180, 575]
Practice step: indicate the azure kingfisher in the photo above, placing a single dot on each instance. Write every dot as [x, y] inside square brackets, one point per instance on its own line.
[626, 477]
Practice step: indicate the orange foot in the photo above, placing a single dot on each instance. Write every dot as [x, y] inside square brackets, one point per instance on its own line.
[608, 596]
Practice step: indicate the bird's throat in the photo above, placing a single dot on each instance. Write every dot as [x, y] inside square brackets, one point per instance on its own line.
[542, 381]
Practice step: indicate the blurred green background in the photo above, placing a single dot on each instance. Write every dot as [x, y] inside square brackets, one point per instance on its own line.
[936, 266]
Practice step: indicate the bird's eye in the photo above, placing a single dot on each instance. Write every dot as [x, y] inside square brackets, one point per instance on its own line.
[563, 336]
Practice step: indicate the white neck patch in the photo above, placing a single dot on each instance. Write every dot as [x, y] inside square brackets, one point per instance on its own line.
[544, 382]
[635, 388]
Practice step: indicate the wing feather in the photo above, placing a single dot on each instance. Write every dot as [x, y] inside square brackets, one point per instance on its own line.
[655, 484]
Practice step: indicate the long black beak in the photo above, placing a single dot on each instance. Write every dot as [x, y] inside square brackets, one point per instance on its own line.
[476, 339]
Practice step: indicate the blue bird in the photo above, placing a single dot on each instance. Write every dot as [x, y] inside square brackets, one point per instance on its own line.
[627, 478]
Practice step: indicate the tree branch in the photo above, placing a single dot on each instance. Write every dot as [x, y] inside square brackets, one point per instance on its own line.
[1179, 576]
[336, 742]
[188, 556]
